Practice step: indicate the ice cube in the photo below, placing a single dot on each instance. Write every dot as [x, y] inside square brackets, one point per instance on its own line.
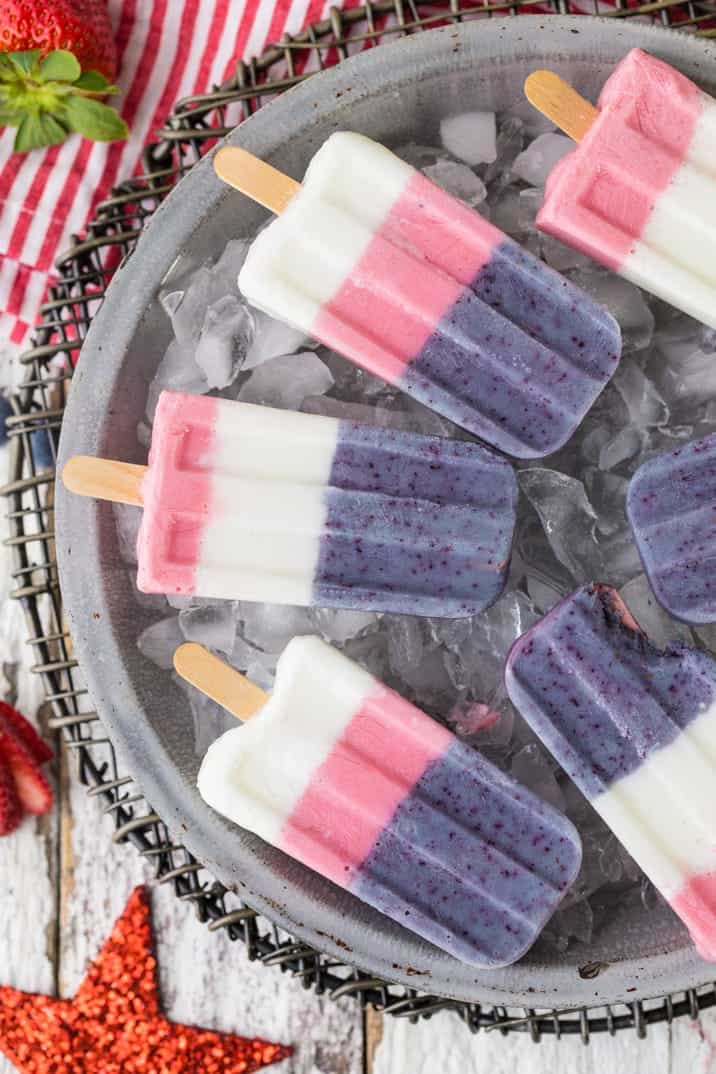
[285, 382]
[225, 271]
[607, 494]
[510, 140]
[340, 624]
[406, 644]
[568, 519]
[539, 158]
[534, 122]
[225, 339]
[260, 675]
[271, 339]
[622, 446]
[177, 372]
[531, 768]
[458, 180]
[160, 641]
[507, 213]
[656, 623]
[625, 302]
[155, 602]
[543, 593]
[561, 257]
[271, 626]
[471, 137]
[212, 625]
[644, 403]
[529, 205]
[127, 520]
[419, 156]
[210, 719]
[179, 600]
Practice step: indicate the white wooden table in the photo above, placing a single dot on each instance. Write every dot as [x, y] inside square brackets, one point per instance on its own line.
[63, 883]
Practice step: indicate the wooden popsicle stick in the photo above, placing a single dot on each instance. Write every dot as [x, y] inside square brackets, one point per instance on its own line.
[222, 683]
[105, 479]
[255, 178]
[557, 100]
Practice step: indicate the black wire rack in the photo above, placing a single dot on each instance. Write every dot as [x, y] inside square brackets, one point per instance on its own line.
[34, 426]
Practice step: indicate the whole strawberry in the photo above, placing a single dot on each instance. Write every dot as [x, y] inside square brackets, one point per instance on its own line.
[57, 60]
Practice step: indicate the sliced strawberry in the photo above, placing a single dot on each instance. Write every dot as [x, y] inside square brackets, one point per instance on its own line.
[24, 730]
[34, 792]
[10, 808]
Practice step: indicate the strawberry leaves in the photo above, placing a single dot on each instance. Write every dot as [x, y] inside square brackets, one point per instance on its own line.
[94, 120]
[46, 97]
[59, 66]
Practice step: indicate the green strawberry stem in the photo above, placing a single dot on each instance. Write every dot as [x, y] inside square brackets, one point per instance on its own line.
[48, 97]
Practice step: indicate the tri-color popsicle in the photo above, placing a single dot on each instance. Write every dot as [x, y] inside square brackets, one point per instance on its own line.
[671, 505]
[251, 503]
[639, 192]
[372, 259]
[343, 774]
[635, 728]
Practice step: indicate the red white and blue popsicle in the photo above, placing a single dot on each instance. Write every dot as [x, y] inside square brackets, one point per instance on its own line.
[639, 192]
[344, 775]
[372, 259]
[635, 728]
[250, 503]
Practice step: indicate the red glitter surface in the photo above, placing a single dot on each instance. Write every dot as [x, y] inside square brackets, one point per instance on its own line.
[114, 1024]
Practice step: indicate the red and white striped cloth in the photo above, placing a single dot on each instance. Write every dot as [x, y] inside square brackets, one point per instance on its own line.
[168, 49]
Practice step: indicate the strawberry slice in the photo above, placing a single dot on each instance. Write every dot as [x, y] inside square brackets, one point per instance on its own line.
[24, 730]
[34, 791]
[10, 808]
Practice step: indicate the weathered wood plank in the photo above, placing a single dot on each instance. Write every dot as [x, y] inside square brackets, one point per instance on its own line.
[205, 979]
[28, 858]
[444, 1044]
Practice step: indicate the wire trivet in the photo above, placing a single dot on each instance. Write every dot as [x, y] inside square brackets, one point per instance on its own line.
[84, 273]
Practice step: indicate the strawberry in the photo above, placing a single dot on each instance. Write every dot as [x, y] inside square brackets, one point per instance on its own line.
[39, 749]
[10, 808]
[57, 60]
[33, 789]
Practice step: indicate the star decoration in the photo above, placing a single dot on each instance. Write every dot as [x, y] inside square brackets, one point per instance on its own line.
[114, 1024]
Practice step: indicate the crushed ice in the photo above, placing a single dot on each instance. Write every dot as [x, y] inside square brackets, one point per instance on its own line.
[571, 525]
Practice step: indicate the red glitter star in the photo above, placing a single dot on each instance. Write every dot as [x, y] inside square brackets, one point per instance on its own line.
[114, 1024]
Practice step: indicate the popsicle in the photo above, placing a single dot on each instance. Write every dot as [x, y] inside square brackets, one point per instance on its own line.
[635, 728]
[247, 502]
[639, 192]
[372, 259]
[349, 778]
[671, 505]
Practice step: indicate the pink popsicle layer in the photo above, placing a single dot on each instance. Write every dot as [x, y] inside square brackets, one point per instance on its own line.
[389, 325]
[600, 197]
[176, 492]
[365, 766]
[696, 906]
